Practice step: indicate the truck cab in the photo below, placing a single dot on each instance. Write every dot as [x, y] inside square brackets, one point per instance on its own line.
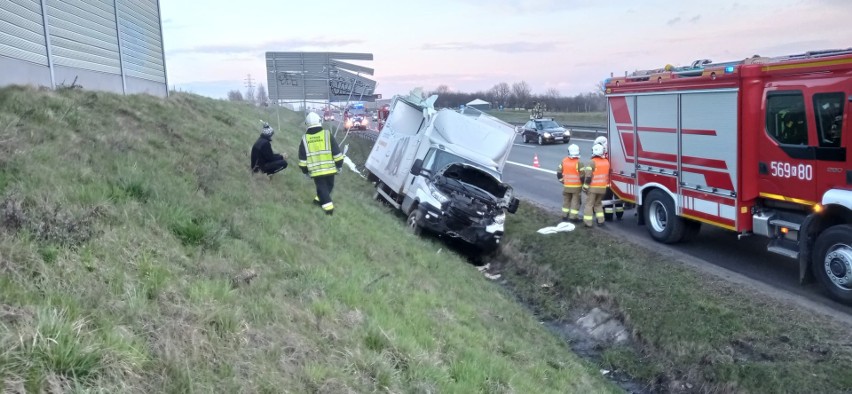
[802, 166]
[443, 170]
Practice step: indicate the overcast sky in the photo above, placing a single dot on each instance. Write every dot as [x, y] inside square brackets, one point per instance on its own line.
[470, 45]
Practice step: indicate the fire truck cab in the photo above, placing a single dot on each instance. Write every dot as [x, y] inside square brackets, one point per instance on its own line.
[758, 146]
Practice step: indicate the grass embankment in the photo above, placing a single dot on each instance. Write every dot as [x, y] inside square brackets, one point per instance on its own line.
[571, 118]
[138, 254]
[692, 332]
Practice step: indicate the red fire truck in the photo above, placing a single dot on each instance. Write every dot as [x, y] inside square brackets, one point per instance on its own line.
[759, 146]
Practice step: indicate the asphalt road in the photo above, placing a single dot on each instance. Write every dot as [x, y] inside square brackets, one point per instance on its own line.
[746, 256]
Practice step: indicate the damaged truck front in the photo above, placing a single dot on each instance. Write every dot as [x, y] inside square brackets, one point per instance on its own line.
[443, 169]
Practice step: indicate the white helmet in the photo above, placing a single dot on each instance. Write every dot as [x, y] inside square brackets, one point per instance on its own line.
[313, 120]
[597, 150]
[602, 142]
[573, 151]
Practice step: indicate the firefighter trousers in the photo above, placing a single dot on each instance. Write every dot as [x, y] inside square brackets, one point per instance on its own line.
[593, 210]
[571, 202]
[324, 184]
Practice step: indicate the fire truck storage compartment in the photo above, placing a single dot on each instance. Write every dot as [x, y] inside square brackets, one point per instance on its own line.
[684, 142]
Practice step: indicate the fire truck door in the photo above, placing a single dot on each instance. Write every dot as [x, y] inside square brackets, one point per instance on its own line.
[830, 109]
[787, 167]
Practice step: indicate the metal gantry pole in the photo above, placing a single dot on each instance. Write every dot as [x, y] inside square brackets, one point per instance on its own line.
[120, 57]
[47, 44]
[163, 47]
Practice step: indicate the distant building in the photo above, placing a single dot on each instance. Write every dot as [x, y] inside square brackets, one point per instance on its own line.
[111, 45]
[479, 104]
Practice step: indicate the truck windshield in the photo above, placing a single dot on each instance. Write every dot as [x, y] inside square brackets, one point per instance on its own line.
[438, 159]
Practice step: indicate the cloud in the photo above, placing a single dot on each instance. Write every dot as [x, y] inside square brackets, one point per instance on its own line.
[262, 47]
[673, 22]
[505, 47]
[695, 18]
[534, 6]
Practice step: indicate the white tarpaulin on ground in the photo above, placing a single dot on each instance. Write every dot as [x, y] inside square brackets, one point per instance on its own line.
[563, 227]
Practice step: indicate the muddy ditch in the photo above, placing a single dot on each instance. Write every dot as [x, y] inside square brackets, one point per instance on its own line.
[588, 330]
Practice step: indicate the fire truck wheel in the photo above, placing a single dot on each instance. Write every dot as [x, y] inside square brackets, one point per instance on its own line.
[663, 224]
[415, 218]
[832, 262]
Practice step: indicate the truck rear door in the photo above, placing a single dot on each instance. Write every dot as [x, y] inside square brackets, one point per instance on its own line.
[393, 153]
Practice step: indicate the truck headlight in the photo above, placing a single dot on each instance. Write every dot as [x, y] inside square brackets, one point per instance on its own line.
[500, 219]
[510, 193]
[441, 197]
[546, 135]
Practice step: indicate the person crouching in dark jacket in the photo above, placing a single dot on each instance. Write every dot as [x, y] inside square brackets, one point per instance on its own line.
[262, 158]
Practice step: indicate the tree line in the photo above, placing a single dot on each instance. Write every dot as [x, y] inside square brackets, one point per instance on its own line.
[257, 96]
[520, 95]
[517, 95]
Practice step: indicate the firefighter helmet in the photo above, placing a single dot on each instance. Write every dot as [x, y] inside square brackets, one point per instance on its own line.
[597, 150]
[602, 142]
[573, 151]
[313, 120]
[267, 130]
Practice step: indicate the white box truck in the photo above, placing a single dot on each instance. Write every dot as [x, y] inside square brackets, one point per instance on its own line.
[443, 169]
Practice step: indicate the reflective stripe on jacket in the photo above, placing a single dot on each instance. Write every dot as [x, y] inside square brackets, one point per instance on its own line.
[571, 172]
[318, 157]
[600, 173]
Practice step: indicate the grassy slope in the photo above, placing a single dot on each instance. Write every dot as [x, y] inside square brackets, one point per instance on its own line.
[124, 220]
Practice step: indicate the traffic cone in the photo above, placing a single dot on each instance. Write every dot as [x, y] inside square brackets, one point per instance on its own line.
[535, 161]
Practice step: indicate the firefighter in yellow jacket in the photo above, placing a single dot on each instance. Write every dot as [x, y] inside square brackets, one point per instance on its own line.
[568, 173]
[597, 180]
[321, 159]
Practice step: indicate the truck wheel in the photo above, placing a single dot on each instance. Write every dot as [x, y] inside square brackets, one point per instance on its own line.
[608, 216]
[832, 262]
[376, 195]
[663, 224]
[415, 218]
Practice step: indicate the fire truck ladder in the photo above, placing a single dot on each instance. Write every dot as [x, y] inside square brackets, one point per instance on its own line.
[697, 67]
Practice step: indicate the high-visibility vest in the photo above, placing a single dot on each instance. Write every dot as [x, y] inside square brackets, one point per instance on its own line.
[600, 173]
[571, 172]
[318, 153]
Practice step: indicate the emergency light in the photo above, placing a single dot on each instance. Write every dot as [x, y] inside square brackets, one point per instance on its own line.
[729, 69]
